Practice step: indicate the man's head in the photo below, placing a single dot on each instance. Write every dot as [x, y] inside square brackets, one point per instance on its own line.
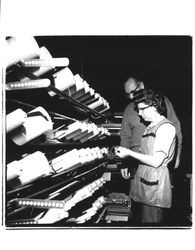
[131, 86]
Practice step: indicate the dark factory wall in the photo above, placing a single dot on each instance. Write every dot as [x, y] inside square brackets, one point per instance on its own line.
[162, 62]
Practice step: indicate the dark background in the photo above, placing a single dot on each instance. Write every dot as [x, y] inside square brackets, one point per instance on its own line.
[105, 62]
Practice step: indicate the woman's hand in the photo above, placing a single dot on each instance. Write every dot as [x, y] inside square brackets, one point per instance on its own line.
[122, 152]
[125, 173]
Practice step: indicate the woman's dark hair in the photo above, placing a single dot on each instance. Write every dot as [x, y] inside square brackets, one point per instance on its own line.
[152, 98]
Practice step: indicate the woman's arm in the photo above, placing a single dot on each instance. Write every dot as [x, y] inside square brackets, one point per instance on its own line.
[163, 140]
[154, 160]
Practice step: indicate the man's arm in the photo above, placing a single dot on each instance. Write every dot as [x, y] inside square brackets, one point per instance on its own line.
[126, 138]
[171, 115]
[126, 132]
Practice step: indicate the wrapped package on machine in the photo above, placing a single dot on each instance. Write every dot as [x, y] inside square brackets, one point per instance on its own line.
[99, 154]
[88, 155]
[82, 87]
[20, 48]
[29, 168]
[28, 84]
[53, 215]
[15, 119]
[63, 156]
[13, 170]
[43, 54]
[66, 161]
[83, 156]
[63, 80]
[46, 60]
[77, 89]
[79, 85]
[37, 122]
[82, 93]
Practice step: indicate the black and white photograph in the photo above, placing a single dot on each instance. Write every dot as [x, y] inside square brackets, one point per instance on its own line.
[97, 124]
[98, 131]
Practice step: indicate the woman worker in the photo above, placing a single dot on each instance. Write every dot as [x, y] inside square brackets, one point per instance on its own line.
[151, 187]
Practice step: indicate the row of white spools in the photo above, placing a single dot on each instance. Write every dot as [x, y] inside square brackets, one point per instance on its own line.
[78, 157]
[53, 215]
[89, 213]
[24, 127]
[56, 214]
[59, 209]
[79, 131]
[68, 203]
[26, 50]
[77, 88]
[27, 126]
[36, 165]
